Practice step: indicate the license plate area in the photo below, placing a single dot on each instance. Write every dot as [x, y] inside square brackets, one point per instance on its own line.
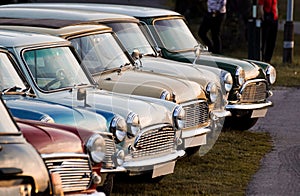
[163, 169]
[259, 113]
[195, 141]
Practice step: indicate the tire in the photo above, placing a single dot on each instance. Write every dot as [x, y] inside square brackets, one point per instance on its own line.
[107, 186]
[239, 123]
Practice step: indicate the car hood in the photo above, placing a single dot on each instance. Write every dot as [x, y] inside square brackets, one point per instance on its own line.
[188, 71]
[35, 109]
[47, 138]
[251, 70]
[102, 101]
[132, 81]
[222, 62]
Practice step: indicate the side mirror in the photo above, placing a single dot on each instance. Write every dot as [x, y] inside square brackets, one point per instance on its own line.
[136, 54]
[81, 94]
[197, 52]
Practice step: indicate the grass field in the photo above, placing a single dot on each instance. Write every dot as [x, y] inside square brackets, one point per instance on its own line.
[225, 170]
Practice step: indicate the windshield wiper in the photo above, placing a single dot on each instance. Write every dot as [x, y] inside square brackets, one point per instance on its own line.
[15, 91]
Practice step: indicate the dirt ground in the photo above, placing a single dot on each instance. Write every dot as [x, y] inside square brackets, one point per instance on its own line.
[279, 173]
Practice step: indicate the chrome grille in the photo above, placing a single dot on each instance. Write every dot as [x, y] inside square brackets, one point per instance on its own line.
[254, 92]
[154, 142]
[110, 149]
[74, 169]
[196, 113]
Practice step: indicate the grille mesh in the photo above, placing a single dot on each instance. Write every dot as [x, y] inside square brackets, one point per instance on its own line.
[254, 92]
[154, 142]
[196, 113]
[75, 171]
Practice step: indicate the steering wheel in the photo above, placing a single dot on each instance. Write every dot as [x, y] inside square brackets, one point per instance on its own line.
[60, 76]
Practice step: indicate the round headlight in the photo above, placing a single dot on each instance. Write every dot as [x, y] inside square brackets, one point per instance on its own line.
[179, 117]
[240, 76]
[271, 74]
[133, 122]
[119, 128]
[212, 92]
[228, 81]
[47, 119]
[96, 148]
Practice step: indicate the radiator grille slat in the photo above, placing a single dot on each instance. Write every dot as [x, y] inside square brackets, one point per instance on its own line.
[75, 171]
[154, 142]
[110, 149]
[254, 92]
[196, 113]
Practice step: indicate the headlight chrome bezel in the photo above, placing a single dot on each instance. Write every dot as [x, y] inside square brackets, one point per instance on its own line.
[118, 127]
[271, 74]
[166, 95]
[212, 92]
[228, 81]
[179, 117]
[240, 76]
[133, 123]
[96, 148]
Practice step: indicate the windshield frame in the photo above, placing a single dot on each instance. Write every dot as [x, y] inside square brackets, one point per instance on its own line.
[141, 34]
[49, 46]
[192, 49]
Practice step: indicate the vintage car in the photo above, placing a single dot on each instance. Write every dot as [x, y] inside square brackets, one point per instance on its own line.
[96, 43]
[92, 43]
[169, 34]
[72, 155]
[22, 170]
[54, 73]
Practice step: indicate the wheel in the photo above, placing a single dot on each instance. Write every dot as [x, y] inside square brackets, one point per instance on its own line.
[108, 185]
[239, 123]
[59, 77]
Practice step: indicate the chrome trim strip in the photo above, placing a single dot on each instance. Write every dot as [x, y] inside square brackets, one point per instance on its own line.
[194, 132]
[142, 164]
[118, 169]
[222, 113]
[248, 106]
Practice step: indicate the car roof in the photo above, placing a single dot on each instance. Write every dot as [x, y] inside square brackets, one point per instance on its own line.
[136, 11]
[62, 12]
[10, 38]
[62, 28]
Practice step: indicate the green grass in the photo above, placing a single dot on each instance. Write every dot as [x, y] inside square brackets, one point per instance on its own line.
[225, 169]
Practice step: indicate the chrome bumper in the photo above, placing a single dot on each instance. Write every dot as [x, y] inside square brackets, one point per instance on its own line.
[248, 106]
[148, 164]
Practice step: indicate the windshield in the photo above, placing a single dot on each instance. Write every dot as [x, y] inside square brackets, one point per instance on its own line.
[132, 37]
[8, 76]
[100, 52]
[175, 35]
[55, 68]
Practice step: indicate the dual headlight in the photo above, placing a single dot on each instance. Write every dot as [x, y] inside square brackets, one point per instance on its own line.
[133, 123]
[119, 128]
[271, 74]
[240, 76]
[179, 117]
[212, 91]
[96, 148]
